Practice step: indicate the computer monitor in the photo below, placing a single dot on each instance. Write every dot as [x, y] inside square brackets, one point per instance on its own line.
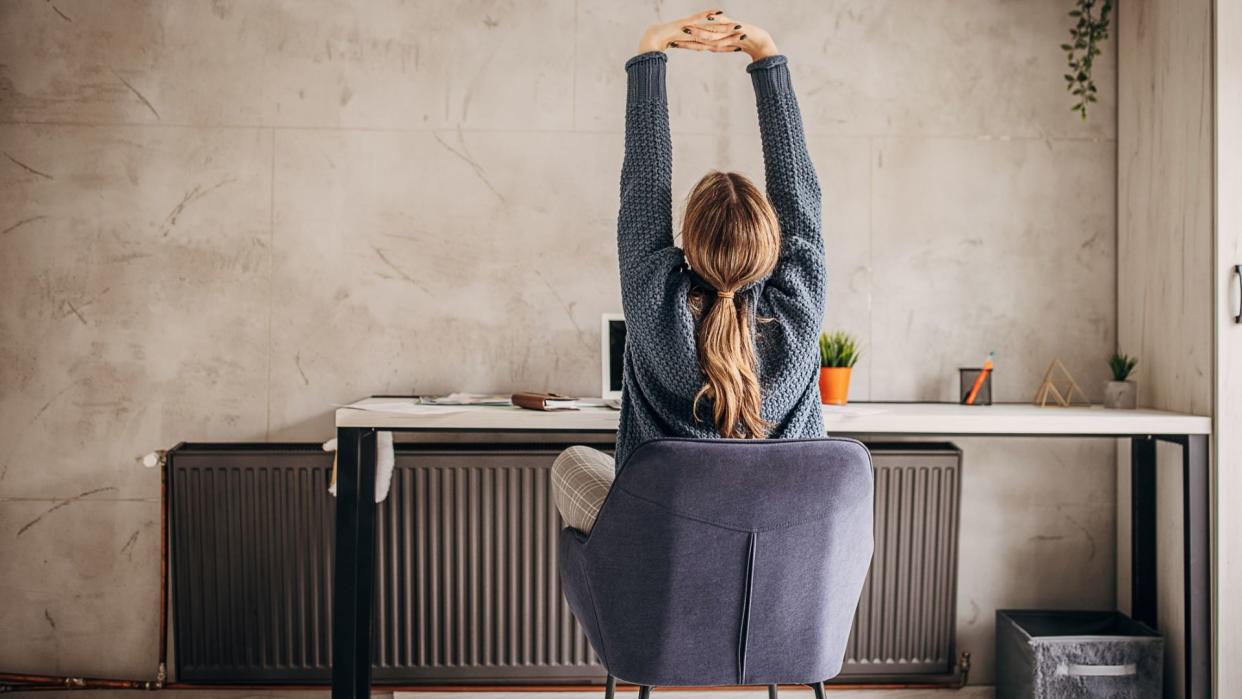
[612, 353]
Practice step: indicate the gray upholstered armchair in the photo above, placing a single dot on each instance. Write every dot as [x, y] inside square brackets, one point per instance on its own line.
[725, 562]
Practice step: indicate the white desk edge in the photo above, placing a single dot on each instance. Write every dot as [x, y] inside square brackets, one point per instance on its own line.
[1014, 419]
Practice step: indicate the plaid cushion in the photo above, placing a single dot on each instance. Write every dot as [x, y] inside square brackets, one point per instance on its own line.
[581, 477]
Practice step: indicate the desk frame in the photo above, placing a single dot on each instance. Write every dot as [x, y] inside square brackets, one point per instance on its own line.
[354, 573]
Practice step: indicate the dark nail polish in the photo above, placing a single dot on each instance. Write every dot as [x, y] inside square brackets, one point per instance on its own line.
[738, 48]
[737, 26]
[672, 44]
[741, 38]
[686, 29]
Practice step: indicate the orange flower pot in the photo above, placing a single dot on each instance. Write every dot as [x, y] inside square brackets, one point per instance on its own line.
[834, 385]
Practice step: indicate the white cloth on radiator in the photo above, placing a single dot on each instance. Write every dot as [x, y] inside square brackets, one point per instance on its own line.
[385, 459]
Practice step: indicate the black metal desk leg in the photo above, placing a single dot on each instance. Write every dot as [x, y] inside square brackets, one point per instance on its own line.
[1143, 530]
[1196, 510]
[354, 572]
[1196, 563]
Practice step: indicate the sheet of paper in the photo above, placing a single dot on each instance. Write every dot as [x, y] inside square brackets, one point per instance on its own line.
[403, 407]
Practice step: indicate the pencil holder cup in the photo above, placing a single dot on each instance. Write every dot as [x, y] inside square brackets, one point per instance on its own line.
[967, 377]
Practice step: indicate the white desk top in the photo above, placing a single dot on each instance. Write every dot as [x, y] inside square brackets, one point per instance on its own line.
[853, 419]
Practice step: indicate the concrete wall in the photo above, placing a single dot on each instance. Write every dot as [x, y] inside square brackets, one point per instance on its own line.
[221, 218]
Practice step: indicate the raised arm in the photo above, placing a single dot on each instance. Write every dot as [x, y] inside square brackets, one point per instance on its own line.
[797, 284]
[645, 223]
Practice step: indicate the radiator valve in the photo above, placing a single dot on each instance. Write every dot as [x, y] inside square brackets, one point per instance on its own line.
[963, 666]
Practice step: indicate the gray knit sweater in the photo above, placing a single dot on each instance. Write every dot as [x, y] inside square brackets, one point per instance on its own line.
[661, 368]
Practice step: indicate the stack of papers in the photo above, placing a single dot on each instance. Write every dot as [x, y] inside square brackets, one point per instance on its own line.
[466, 399]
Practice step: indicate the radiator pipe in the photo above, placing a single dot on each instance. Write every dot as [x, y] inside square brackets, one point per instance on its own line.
[11, 682]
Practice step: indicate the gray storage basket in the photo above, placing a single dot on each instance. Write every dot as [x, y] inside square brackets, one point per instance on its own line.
[1076, 654]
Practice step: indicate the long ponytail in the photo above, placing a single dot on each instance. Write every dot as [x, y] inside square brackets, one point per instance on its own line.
[731, 238]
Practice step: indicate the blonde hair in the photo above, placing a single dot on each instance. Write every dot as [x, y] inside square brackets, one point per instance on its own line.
[731, 238]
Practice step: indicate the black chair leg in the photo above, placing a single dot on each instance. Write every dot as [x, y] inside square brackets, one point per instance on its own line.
[644, 693]
[819, 690]
[774, 692]
[610, 687]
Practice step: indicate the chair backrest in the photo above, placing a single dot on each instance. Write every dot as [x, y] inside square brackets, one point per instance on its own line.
[725, 561]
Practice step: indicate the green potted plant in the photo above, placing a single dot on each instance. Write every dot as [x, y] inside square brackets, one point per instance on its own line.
[838, 352]
[1121, 392]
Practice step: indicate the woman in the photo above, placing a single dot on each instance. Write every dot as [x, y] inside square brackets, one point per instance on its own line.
[721, 333]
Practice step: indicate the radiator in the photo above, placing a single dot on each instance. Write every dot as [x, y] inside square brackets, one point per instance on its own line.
[251, 534]
[468, 585]
[906, 618]
[467, 589]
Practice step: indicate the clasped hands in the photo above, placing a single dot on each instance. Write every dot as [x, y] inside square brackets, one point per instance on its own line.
[710, 30]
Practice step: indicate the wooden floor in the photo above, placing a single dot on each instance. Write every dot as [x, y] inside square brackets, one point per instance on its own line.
[741, 693]
[745, 693]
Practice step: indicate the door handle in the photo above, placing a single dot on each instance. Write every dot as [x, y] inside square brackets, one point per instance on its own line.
[1237, 274]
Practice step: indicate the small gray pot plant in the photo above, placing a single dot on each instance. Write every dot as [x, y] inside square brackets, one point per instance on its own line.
[1121, 392]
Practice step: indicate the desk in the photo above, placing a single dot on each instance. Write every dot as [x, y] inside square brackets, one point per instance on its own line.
[355, 510]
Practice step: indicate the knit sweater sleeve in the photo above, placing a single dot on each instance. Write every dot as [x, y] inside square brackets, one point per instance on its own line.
[795, 291]
[644, 224]
[648, 260]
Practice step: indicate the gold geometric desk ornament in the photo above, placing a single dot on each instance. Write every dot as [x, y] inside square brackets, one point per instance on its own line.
[1048, 388]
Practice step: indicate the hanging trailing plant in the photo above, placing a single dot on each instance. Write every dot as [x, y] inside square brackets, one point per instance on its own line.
[1091, 28]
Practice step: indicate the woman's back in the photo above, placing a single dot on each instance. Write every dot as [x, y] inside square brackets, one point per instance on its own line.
[664, 374]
